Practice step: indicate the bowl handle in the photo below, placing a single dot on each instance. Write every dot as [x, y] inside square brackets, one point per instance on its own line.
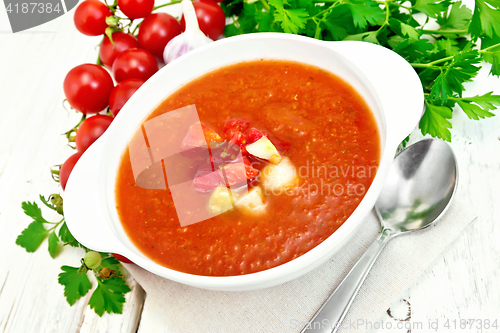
[394, 80]
[82, 207]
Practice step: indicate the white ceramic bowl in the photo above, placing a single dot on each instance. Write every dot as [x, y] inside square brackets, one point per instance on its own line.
[386, 81]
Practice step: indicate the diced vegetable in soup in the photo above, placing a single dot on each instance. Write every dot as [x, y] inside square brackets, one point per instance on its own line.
[292, 150]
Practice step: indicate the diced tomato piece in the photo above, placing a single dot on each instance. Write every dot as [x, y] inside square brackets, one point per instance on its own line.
[236, 137]
[236, 124]
[239, 139]
[250, 171]
[254, 135]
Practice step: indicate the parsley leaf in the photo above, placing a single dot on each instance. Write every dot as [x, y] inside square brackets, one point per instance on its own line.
[486, 19]
[32, 236]
[292, 20]
[32, 210]
[461, 69]
[410, 49]
[492, 54]
[364, 12]
[76, 283]
[370, 36]
[431, 8]
[481, 107]
[66, 236]
[403, 29]
[450, 46]
[54, 247]
[111, 263]
[435, 121]
[459, 17]
[109, 296]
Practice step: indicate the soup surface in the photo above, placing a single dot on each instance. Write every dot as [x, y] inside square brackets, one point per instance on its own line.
[313, 122]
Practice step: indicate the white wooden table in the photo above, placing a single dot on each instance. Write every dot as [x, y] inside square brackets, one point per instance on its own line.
[463, 283]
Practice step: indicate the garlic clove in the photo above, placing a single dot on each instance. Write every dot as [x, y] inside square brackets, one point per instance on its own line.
[190, 39]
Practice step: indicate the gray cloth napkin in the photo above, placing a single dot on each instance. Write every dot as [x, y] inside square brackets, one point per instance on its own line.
[176, 308]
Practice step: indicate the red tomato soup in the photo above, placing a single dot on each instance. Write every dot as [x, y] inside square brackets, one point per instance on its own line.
[281, 114]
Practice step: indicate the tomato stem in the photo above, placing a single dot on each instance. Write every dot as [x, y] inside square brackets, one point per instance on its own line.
[173, 2]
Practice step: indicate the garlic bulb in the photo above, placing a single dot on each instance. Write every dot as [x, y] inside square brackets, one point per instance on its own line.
[190, 39]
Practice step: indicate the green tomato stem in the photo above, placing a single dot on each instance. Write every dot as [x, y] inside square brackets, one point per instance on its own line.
[443, 32]
[265, 5]
[173, 2]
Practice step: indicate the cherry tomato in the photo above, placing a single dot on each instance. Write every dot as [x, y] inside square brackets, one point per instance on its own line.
[87, 88]
[122, 258]
[211, 18]
[108, 51]
[135, 9]
[90, 17]
[134, 64]
[90, 130]
[156, 31]
[122, 93]
[67, 167]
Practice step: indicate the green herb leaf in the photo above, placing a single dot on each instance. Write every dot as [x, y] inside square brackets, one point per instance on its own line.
[111, 263]
[76, 284]
[54, 247]
[32, 210]
[492, 55]
[32, 236]
[486, 19]
[478, 107]
[458, 19]
[292, 20]
[450, 46]
[460, 70]
[109, 296]
[435, 121]
[364, 12]
[431, 8]
[66, 236]
[441, 88]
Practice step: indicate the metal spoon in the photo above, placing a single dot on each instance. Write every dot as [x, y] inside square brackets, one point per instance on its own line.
[418, 189]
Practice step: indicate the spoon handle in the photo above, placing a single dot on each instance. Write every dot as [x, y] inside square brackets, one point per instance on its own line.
[329, 317]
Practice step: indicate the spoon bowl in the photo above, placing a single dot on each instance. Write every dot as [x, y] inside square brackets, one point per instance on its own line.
[420, 185]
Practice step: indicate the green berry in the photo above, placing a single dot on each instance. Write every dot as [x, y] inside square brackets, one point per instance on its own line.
[92, 259]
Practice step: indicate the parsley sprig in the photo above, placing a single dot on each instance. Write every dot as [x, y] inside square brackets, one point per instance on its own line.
[445, 58]
[111, 286]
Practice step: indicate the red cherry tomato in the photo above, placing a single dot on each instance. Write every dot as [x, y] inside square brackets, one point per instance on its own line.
[122, 258]
[122, 93]
[156, 31]
[211, 18]
[87, 88]
[67, 167]
[135, 9]
[108, 51]
[134, 64]
[90, 17]
[90, 130]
